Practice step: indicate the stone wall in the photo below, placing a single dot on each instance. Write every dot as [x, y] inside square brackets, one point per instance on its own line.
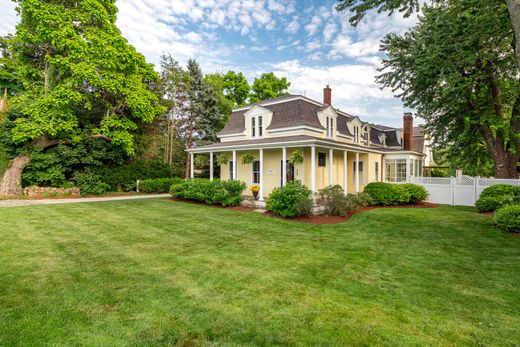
[50, 192]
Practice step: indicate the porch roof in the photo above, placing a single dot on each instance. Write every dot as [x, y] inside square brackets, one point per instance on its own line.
[292, 141]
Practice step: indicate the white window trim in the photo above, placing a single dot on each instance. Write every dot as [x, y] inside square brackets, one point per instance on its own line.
[253, 172]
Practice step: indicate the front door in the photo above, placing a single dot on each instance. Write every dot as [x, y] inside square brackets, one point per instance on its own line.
[290, 171]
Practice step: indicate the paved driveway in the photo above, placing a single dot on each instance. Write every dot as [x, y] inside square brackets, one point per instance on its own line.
[14, 203]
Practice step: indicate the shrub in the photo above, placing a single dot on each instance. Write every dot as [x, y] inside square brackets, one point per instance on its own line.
[233, 192]
[492, 203]
[292, 200]
[383, 194]
[500, 190]
[417, 192]
[508, 218]
[158, 185]
[358, 200]
[225, 193]
[334, 200]
[90, 183]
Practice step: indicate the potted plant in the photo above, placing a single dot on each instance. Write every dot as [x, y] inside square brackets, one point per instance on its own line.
[221, 159]
[255, 190]
[296, 158]
[247, 159]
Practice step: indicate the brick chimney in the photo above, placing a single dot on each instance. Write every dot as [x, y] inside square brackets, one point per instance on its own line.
[407, 131]
[327, 95]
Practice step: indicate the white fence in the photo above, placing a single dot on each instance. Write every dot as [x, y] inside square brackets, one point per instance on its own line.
[463, 190]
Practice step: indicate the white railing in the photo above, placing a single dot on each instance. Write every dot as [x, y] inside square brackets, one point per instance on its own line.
[463, 190]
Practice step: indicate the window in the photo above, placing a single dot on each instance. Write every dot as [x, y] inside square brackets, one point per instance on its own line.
[366, 137]
[376, 168]
[257, 126]
[322, 159]
[411, 168]
[256, 172]
[253, 127]
[231, 170]
[330, 126]
[395, 170]
[356, 134]
[360, 173]
[260, 126]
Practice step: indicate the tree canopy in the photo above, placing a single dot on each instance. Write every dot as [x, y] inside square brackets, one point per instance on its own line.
[268, 86]
[457, 68]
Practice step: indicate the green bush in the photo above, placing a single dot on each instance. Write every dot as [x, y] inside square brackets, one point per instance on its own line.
[500, 190]
[90, 183]
[334, 200]
[508, 218]
[417, 193]
[225, 193]
[383, 194]
[292, 200]
[158, 185]
[492, 203]
[358, 200]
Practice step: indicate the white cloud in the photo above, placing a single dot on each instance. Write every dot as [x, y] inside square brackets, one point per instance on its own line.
[8, 17]
[313, 26]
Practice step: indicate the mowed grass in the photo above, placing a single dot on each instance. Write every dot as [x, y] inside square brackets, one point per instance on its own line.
[158, 272]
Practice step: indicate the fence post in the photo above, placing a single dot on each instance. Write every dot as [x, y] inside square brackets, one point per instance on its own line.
[452, 186]
[477, 179]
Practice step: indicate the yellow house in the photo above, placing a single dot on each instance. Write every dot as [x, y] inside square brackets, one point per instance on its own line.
[337, 148]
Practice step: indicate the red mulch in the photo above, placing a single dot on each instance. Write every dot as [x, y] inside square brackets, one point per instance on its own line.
[324, 219]
[318, 219]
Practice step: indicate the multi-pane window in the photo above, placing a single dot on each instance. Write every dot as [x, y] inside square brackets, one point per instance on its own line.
[356, 134]
[257, 126]
[329, 126]
[360, 173]
[412, 166]
[322, 159]
[395, 170]
[376, 170]
[231, 169]
[366, 138]
[256, 172]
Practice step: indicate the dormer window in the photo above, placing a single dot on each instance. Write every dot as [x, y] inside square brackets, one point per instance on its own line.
[356, 134]
[366, 137]
[257, 126]
[330, 126]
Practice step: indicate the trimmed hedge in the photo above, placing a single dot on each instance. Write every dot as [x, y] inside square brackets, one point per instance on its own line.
[508, 218]
[292, 200]
[225, 193]
[492, 203]
[385, 194]
[158, 185]
[500, 190]
[417, 193]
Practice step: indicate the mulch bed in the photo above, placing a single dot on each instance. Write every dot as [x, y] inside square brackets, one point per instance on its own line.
[324, 219]
[318, 219]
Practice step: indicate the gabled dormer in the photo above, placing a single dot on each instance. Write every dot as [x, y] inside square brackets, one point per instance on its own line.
[328, 120]
[355, 127]
[256, 120]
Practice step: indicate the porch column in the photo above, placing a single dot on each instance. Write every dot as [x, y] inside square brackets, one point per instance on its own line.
[211, 166]
[357, 172]
[284, 166]
[345, 161]
[261, 192]
[313, 169]
[191, 166]
[331, 165]
[234, 170]
[383, 169]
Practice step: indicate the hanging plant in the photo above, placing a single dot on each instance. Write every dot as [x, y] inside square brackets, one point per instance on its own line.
[296, 157]
[221, 159]
[200, 162]
[247, 159]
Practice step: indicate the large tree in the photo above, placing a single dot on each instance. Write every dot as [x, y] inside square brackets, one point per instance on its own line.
[268, 86]
[76, 77]
[236, 87]
[360, 7]
[457, 68]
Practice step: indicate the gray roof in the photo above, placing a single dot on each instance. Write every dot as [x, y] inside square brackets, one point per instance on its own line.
[342, 125]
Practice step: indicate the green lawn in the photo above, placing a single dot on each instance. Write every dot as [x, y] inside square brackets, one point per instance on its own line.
[158, 272]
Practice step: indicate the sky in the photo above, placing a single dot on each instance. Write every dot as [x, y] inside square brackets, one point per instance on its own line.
[308, 42]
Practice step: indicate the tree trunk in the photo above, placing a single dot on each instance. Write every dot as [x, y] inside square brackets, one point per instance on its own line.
[11, 183]
[513, 7]
[190, 145]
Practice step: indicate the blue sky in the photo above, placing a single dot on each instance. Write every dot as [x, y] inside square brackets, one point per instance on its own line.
[306, 41]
